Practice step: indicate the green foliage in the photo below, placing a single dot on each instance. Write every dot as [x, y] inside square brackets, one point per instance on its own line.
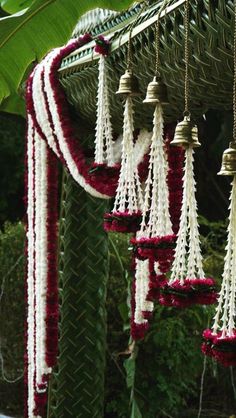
[12, 317]
[52, 20]
[12, 138]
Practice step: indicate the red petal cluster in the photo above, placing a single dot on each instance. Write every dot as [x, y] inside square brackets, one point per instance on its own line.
[223, 349]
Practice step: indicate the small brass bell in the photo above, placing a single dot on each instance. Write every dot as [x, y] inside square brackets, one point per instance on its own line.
[156, 92]
[186, 134]
[228, 167]
[128, 84]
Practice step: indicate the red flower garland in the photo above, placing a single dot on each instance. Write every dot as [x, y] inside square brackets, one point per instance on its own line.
[193, 291]
[223, 349]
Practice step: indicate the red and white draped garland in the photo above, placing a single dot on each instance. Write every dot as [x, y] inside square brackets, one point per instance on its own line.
[220, 341]
[188, 284]
[50, 138]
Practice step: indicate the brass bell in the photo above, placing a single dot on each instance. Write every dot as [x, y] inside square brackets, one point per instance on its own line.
[156, 92]
[128, 84]
[228, 167]
[186, 134]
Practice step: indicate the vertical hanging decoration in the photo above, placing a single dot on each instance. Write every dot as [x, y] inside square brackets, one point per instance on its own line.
[126, 213]
[103, 138]
[188, 284]
[220, 341]
[154, 242]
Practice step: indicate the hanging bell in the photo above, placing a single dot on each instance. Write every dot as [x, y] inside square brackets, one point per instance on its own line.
[128, 84]
[186, 134]
[156, 92]
[228, 167]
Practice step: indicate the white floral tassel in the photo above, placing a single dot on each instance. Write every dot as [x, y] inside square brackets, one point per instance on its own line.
[156, 192]
[155, 240]
[188, 265]
[103, 138]
[129, 194]
[188, 284]
[126, 213]
[220, 341]
[227, 297]
[142, 308]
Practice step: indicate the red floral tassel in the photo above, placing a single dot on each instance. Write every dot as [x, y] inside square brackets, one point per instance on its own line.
[193, 291]
[222, 348]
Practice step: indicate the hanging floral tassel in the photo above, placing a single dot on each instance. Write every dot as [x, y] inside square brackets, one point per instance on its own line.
[141, 308]
[188, 284]
[220, 341]
[175, 156]
[104, 137]
[155, 240]
[126, 214]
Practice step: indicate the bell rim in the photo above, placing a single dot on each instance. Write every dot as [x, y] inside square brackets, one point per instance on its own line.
[226, 173]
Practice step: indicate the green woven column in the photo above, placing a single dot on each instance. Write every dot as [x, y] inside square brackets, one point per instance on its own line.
[78, 385]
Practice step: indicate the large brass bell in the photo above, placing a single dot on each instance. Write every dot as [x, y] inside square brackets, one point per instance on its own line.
[228, 167]
[156, 92]
[128, 84]
[186, 134]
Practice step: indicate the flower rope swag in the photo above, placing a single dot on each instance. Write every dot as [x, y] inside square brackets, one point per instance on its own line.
[188, 284]
[103, 139]
[51, 137]
[221, 339]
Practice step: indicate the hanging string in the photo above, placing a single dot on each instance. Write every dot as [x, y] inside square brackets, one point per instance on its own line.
[186, 59]
[129, 58]
[234, 77]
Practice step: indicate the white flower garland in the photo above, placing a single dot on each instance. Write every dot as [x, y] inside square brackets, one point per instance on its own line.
[129, 193]
[47, 116]
[103, 137]
[156, 202]
[30, 272]
[224, 319]
[141, 292]
[188, 264]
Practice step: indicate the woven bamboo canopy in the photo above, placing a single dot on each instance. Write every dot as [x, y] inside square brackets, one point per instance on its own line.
[211, 63]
